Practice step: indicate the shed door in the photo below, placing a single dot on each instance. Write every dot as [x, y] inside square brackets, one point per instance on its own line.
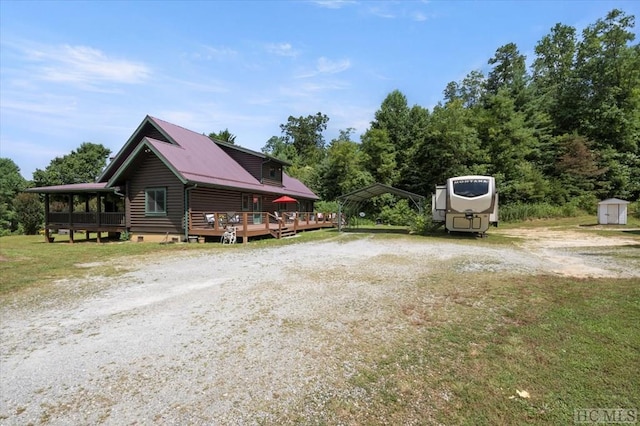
[612, 214]
[602, 214]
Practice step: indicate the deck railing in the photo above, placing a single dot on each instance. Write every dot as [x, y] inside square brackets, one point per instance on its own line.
[219, 220]
[87, 218]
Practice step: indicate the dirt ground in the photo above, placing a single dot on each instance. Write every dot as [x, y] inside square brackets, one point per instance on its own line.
[567, 251]
[243, 335]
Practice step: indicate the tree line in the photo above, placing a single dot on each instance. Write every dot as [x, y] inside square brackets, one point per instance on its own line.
[564, 130]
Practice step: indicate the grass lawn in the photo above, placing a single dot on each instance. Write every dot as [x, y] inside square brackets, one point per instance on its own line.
[27, 261]
[568, 343]
[461, 359]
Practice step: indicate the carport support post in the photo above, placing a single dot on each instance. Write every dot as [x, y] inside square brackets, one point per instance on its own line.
[339, 216]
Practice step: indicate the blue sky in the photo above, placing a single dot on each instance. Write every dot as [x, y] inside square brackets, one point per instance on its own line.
[73, 72]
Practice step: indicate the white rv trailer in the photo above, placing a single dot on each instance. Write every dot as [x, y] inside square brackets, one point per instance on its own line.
[466, 204]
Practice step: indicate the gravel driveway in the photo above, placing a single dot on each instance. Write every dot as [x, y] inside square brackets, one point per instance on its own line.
[238, 336]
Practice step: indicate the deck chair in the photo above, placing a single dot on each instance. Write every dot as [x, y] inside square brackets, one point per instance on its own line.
[277, 215]
[232, 217]
[229, 236]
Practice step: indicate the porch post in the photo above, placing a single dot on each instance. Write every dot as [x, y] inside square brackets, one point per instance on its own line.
[245, 227]
[86, 210]
[46, 217]
[99, 211]
[70, 218]
[70, 202]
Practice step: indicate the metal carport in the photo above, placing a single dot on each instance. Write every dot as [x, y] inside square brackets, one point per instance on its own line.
[356, 198]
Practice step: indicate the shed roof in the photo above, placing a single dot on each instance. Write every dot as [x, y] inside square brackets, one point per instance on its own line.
[614, 201]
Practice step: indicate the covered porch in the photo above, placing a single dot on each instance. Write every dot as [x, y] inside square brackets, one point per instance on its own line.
[91, 208]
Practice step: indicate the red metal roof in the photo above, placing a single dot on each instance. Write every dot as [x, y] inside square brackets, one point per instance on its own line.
[194, 157]
[200, 160]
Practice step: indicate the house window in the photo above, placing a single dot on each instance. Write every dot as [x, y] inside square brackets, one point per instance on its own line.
[246, 202]
[273, 172]
[155, 202]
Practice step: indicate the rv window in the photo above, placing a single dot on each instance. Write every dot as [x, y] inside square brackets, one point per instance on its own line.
[471, 187]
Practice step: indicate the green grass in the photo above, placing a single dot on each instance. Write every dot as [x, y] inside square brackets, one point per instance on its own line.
[27, 261]
[569, 343]
[569, 222]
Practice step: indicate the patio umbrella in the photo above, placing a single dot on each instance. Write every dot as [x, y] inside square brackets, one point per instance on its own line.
[285, 199]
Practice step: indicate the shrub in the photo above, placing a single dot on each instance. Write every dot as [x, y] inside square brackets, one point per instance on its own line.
[586, 202]
[635, 208]
[398, 214]
[520, 212]
[30, 212]
[326, 206]
[424, 224]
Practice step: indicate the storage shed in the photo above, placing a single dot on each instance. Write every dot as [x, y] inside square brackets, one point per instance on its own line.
[612, 211]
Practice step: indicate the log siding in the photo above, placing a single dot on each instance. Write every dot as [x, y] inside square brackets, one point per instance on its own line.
[152, 173]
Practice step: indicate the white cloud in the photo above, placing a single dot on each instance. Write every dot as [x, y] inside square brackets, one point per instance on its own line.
[419, 16]
[282, 49]
[55, 106]
[84, 66]
[333, 4]
[215, 53]
[381, 12]
[310, 89]
[326, 66]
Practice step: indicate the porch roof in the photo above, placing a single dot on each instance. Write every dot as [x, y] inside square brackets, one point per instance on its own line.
[74, 188]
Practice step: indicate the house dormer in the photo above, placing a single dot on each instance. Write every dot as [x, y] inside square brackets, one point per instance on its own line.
[265, 168]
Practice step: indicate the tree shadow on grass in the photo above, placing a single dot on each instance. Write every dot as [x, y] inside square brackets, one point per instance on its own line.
[366, 230]
[406, 231]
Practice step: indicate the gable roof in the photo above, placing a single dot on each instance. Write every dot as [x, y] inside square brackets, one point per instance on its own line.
[195, 159]
[614, 201]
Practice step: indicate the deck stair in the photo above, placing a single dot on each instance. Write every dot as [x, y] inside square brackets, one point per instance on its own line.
[286, 231]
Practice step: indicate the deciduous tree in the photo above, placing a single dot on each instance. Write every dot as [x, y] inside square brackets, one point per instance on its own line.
[30, 212]
[224, 135]
[11, 183]
[80, 166]
[305, 135]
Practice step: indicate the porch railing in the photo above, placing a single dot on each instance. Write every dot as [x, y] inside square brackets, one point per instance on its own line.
[87, 218]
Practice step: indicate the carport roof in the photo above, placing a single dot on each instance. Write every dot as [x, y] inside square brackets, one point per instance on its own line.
[378, 189]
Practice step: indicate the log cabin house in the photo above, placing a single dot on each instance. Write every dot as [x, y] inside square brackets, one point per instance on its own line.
[170, 184]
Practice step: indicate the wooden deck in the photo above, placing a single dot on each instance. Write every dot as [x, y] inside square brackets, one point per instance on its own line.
[247, 224]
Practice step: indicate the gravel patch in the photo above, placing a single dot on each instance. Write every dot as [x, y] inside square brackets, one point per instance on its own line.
[236, 337]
